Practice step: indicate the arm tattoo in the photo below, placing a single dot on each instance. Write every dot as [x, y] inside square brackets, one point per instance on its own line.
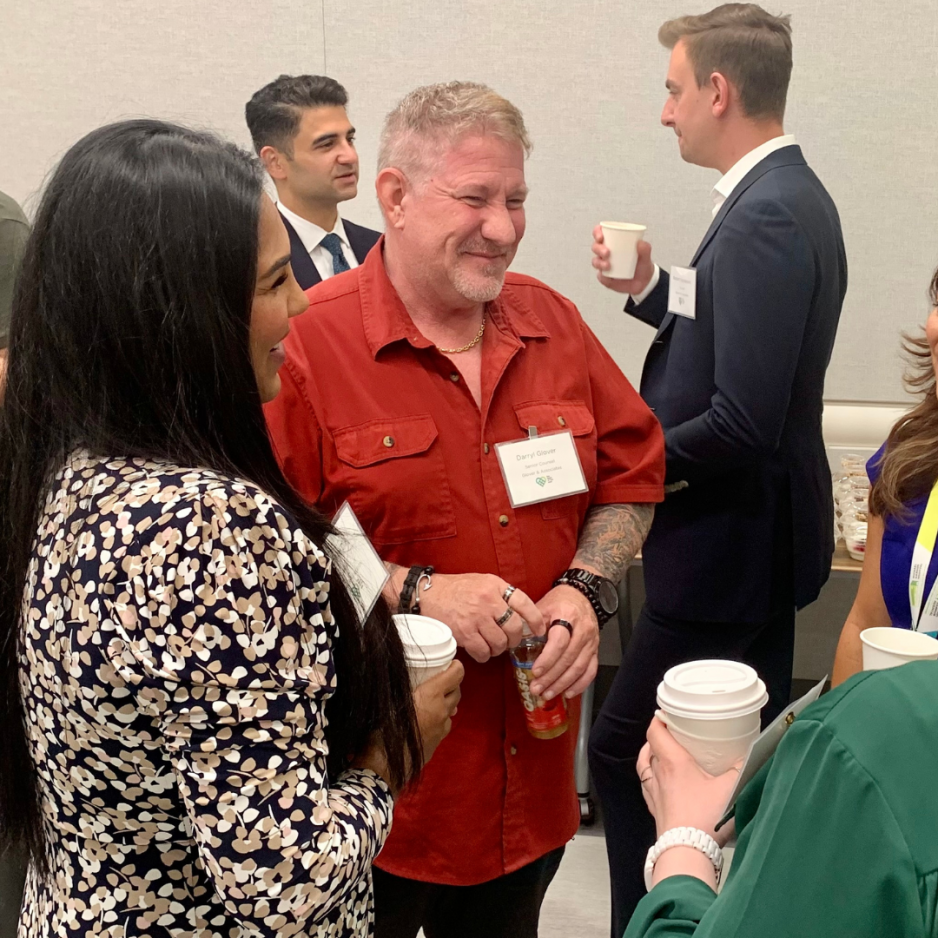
[611, 537]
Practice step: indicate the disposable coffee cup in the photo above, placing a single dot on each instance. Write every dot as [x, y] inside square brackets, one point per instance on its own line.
[714, 709]
[888, 648]
[715, 756]
[622, 240]
[429, 646]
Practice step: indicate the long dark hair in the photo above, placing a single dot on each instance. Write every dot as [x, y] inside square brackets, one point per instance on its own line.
[130, 337]
[909, 466]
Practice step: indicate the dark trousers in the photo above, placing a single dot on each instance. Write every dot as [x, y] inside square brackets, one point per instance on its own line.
[659, 643]
[507, 907]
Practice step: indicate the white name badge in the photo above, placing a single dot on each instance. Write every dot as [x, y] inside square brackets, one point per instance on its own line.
[682, 292]
[363, 571]
[541, 468]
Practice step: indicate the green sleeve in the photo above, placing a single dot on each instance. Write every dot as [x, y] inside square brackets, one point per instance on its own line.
[13, 235]
[674, 907]
[822, 857]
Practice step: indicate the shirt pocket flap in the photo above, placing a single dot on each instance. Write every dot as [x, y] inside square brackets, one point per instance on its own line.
[555, 416]
[380, 440]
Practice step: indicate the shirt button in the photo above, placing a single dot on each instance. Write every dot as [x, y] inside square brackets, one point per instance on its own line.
[514, 750]
[454, 377]
[485, 448]
[503, 520]
[561, 421]
[388, 441]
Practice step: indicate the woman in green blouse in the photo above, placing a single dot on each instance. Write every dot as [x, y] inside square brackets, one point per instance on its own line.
[837, 834]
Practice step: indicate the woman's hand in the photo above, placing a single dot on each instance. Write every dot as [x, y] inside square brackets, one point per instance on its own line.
[436, 700]
[678, 792]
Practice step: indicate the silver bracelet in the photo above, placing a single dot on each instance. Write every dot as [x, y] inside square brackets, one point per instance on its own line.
[684, 837]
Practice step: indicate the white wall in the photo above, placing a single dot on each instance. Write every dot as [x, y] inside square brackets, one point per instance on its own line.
[588, 75]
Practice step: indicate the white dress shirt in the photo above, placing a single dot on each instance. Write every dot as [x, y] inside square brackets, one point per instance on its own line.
[740, 169]
[724, 189]
[311, 235]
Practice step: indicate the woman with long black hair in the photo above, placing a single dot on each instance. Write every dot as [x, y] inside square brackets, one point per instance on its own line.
[173, 636]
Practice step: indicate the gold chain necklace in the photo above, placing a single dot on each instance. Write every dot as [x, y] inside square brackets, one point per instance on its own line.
[465, 348]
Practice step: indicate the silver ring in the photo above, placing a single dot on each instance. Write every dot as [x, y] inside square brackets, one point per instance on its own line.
[507, 594]
[562, 622]
[505, 616]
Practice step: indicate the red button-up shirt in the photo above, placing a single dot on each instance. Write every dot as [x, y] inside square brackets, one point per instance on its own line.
[370, 412]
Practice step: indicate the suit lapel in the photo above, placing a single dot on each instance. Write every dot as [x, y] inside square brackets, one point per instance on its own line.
[303, 267]
[361, 240]
[786, 156]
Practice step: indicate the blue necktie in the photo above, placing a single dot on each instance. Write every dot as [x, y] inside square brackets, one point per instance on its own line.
[333, 244]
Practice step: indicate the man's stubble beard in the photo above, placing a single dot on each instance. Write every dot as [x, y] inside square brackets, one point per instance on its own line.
[481, 289]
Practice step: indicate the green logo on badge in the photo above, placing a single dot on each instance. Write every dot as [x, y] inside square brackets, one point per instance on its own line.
[541, 481]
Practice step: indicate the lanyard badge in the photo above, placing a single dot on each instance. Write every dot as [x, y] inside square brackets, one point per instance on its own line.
[925, 620]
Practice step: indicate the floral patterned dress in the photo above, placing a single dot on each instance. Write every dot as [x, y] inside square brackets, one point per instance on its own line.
[176, 663]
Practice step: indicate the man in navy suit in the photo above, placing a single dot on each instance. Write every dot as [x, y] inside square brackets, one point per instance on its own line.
[736, 378]
[302, 134]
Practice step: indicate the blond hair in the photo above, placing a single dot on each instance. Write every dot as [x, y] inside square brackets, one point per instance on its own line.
[749, 47]
[431, 119]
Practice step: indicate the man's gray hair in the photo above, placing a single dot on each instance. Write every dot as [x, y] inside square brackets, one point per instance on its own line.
[430, 120]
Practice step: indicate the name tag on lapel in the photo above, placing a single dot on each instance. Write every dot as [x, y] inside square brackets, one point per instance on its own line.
[682, 292]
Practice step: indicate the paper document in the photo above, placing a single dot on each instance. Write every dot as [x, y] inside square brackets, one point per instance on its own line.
[767, 742]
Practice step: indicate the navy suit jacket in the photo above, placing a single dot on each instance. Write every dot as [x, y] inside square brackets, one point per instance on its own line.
[361, 240]
[739, 392]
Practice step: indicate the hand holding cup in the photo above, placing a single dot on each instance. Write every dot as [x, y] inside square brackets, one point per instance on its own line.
[678, 792]
[436, 700]
[602, 261]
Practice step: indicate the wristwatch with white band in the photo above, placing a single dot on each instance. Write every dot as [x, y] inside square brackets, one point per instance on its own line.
[684, 837]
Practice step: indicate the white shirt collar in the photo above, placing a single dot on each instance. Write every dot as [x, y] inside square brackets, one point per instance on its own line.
[735, 175]
[310, 234]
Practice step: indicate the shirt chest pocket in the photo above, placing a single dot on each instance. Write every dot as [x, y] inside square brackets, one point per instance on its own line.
[552, 416]
[393, 473]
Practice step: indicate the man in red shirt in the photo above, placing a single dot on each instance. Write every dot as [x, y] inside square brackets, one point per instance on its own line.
[400, 382]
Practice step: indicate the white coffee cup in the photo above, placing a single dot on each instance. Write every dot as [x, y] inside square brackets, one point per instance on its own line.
[429, 646]
[713, 708]
[888, 648]
[715, 756]
[622, 240]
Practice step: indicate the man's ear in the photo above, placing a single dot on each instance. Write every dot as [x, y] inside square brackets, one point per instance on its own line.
[274, 162]
[392, 188]
[722, 91]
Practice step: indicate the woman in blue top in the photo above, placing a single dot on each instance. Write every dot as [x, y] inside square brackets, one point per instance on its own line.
[904, 473]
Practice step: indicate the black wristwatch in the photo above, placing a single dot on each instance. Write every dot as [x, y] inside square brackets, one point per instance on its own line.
[602, 593]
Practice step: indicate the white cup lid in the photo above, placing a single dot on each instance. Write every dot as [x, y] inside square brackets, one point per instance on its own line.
[425, 639]
[711, 690]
